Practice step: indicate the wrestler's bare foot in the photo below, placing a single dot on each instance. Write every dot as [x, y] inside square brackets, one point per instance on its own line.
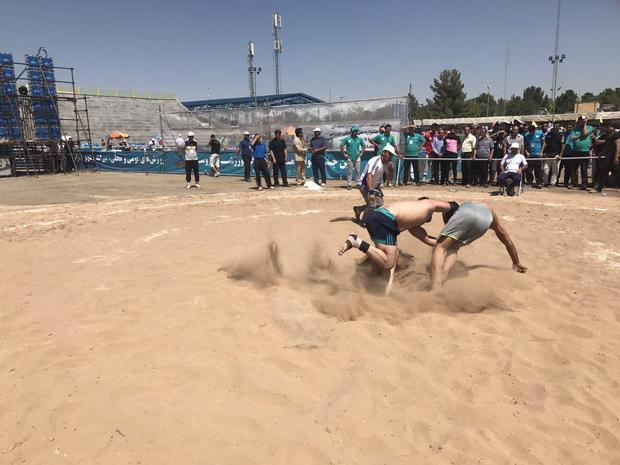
[349, 244]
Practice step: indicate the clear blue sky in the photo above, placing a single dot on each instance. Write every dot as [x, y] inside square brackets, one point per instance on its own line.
[357, 49]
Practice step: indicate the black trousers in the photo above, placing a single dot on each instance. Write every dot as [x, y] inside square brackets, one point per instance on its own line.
[581, 164]
[604, 166]
[318, 168]
[480, 172]
[435, 168]
[279, 167]
[247, 162]
[535, 170]
[260, 167]
[191, 165]
[466, 168]
[446, 166]
[416, 170]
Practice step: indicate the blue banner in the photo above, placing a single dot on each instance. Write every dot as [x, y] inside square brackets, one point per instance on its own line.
[230, 163]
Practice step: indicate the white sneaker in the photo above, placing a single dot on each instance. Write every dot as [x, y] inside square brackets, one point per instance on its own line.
[322, 184]
[198, 185]
[260, 188]
[188, 186]
[272, 188]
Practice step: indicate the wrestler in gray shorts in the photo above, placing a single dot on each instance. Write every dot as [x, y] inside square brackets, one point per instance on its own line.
[470, 222]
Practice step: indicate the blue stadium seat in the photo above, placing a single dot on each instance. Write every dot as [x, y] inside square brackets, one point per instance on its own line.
[41, 133]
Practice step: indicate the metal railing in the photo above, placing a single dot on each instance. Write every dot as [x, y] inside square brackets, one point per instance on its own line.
[99, 92]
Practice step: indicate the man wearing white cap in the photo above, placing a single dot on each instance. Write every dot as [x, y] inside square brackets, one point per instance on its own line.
[318, 145]
[369, 182]
[245, 149]
[191, 161]
[512, 167]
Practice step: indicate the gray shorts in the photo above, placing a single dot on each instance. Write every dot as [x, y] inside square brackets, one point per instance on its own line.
[470, 222]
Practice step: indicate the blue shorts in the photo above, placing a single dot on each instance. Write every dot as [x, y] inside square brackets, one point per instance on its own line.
[382, 227]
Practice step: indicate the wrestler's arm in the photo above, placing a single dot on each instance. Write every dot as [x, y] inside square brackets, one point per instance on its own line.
[504, 238]
[420, 233]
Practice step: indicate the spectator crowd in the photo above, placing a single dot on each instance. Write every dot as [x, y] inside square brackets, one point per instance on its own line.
[506, 154]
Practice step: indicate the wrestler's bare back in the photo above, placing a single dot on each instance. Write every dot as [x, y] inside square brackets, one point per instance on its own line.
[412, 213]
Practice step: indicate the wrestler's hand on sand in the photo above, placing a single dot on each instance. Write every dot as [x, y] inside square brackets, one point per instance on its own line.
[348, 244]
[344, 248]
[519, 268]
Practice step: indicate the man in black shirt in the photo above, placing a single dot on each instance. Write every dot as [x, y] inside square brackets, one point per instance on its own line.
[214, 161]
[277, 150]
[318, 145]
[554, 141]
[609, 158]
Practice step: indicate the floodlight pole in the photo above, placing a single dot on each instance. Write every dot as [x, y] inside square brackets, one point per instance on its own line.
[555, 60]
[277, 50]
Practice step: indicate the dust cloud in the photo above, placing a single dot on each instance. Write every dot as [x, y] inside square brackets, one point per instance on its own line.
[263, 267]
[347, 293]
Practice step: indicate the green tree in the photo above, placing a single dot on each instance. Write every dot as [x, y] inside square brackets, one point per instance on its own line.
[533, 100]
[565, 102]
[477, 106]
[515, 106]
[449, 98]
[413, 104]
[610, 97]
[588, 97]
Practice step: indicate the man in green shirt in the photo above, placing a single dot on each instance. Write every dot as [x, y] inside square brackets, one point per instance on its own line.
[582, 140]
[414, 142]
[379, 142]
[352, 148]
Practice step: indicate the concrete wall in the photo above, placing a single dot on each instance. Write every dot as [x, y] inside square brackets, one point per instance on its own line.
[138, 117]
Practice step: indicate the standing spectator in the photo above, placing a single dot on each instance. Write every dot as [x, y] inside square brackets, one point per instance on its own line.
[451, 144]
[534, 145]
[245, 149]
[380, 141]
[468, 149]
[610, 156]
[437, 152]
[191, 161]
[277, 149]
[214, 160]
[512, 167]
[414, 142]
[513, 137]
[427, 152]
[499, 150]
[567, 148]
[376, 146]
[484, 154]
[259, 150]
[553, 148]
[318, 146]
[582, 141]
[300, 157]
[352, 148]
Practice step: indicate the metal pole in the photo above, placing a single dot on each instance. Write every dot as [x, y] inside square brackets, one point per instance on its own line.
[556, 62]
[507, 60]
[161, 130]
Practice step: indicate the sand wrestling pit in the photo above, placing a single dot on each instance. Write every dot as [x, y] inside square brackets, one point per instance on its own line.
[142, 323]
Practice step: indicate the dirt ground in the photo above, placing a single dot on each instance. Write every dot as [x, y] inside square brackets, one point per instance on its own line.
[141, 322]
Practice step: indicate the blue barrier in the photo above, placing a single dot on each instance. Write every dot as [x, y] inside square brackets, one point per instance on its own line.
[230, 163]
